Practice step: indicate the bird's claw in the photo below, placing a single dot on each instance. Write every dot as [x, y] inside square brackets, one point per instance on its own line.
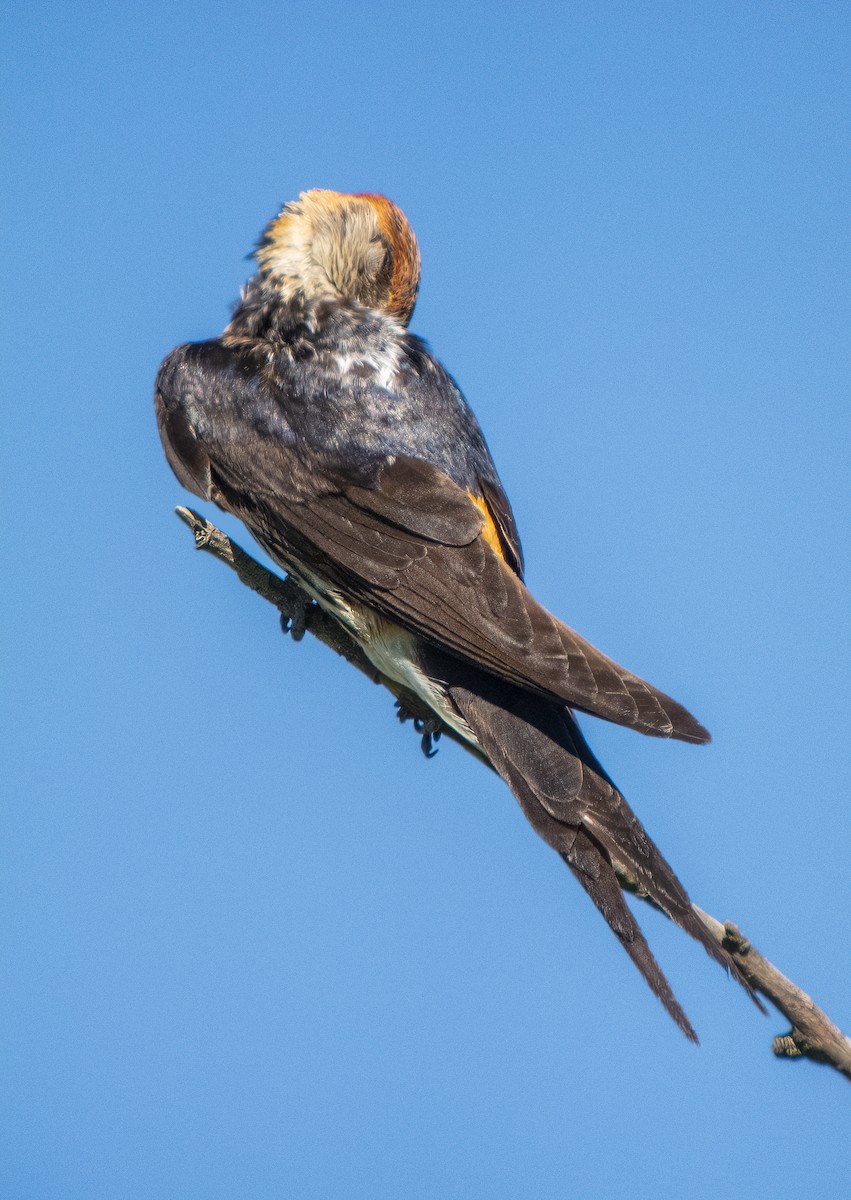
[429, 729]
[295, 622]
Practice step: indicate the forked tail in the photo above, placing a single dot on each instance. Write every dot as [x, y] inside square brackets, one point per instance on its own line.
[570, 801]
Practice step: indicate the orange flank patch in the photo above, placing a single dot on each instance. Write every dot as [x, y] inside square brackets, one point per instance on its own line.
[490, 532]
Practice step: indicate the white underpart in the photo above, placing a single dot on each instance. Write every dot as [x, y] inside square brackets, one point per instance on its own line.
[389, 647]
[392, 653]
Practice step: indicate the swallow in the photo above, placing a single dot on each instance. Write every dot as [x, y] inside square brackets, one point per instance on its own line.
[332, 432]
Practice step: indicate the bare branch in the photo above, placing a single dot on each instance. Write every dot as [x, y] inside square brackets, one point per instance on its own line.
[299, 615]
[813, 1035]
[294, 605]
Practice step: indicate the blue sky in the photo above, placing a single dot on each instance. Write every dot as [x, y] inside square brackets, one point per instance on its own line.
[255, 945]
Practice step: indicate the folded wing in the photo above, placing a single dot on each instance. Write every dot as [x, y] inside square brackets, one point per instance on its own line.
[408, 540]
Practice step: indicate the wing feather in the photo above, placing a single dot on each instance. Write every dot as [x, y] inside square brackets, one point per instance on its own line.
[411, 545]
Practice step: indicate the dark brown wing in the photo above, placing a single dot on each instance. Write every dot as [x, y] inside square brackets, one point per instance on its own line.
[411, 546]
[456, 592]
[451, 588]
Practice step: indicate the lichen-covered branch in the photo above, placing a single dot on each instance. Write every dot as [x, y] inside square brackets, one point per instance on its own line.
[813, 1035]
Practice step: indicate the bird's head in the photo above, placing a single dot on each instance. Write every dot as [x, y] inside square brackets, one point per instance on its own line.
[333, 245]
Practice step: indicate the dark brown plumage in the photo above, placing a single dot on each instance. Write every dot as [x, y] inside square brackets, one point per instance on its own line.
[353, 458]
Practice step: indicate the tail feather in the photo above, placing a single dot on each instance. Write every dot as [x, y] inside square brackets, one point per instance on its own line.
[573, 805]
[591, 866]
[610, 820]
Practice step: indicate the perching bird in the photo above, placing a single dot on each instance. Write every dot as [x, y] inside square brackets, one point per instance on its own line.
[353, 458]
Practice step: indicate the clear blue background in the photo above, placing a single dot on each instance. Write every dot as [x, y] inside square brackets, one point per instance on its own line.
[254, 944]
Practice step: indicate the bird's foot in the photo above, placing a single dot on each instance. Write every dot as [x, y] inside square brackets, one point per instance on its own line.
[431, 731]
[429, 728]
[295, 623]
